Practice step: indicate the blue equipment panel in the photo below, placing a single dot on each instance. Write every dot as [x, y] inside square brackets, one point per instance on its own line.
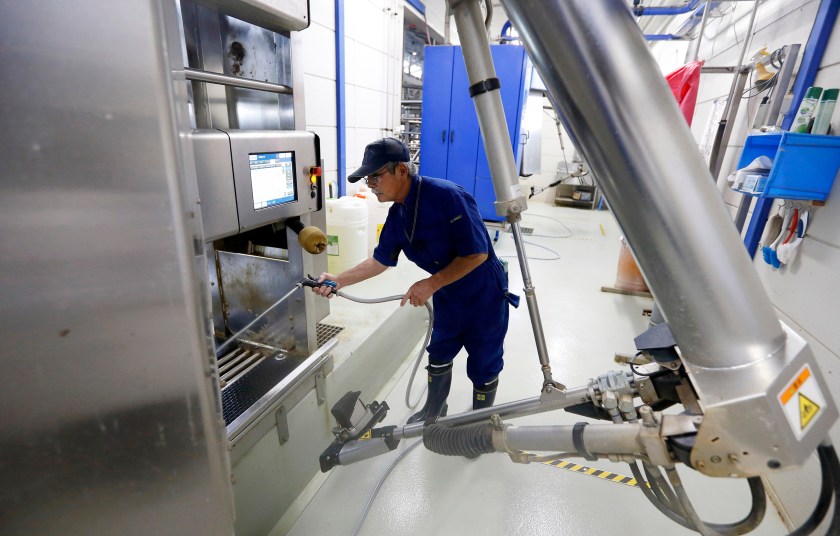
[451, 146]
[463, 128]
[434, 130]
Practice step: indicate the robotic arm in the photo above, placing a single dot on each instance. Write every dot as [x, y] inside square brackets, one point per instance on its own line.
[754, 399]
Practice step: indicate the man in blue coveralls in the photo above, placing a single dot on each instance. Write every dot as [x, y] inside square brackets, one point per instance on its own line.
[437, 225]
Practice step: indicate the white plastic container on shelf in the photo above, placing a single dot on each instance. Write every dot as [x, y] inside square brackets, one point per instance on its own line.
[347, 222]
[377, 213]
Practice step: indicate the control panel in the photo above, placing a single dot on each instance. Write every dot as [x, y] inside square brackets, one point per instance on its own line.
[247, 179]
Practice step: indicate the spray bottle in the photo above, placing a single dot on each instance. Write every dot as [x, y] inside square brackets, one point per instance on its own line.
[824, 111]
[806, 110]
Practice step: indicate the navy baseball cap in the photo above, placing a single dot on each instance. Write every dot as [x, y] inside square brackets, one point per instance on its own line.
[379, 153]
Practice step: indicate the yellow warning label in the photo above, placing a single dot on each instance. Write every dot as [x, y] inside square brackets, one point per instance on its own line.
[802, 401]
[366, 435]
[807, 410]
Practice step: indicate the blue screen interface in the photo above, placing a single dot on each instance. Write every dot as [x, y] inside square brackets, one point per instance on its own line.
[272, 178]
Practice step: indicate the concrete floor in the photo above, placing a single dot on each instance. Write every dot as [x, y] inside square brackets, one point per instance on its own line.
[432, 494]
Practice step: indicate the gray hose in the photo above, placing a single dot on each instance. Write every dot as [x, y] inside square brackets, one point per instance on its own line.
[422, 348]
[382, 479]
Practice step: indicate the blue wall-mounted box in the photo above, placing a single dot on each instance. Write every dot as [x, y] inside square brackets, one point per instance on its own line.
[804, 165]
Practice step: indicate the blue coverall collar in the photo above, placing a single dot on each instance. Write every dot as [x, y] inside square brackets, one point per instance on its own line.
[411, 197]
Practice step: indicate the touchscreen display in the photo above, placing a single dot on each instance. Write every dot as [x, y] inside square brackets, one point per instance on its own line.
[272, 178]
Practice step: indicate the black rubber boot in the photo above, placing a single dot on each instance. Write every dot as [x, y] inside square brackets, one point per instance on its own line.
[440, 380]
[486, 395]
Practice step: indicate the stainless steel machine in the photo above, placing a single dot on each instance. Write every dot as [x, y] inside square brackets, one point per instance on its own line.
[259, 183]
[159, 191]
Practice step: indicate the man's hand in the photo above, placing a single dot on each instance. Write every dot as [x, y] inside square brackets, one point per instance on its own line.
[419, 293]
[326, 290]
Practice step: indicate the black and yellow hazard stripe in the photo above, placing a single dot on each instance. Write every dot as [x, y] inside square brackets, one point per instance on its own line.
[591, 471]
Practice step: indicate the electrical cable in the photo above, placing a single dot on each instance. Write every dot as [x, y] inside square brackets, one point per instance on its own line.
[381, 481]
[571, 234]
[661, 488]
[751, 521]
[555, 258]
[834, 469]
[827, 489]
[660, 491]
[654, 500]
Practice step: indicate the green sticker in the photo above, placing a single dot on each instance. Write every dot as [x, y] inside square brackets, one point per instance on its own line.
[332, 245]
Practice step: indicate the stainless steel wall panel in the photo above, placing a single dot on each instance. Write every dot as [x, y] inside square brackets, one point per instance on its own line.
[215, 184]
[250, 285]
[276, 15]
[111, 425]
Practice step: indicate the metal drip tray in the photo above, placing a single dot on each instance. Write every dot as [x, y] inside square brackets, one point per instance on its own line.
[240, 361]
[249, 371]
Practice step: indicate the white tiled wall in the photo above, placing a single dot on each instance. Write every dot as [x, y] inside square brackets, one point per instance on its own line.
[373, 76]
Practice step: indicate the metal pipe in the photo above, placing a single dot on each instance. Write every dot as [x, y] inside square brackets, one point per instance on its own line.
[497, 145]
[340, 99]
[791, 53]
[724, 130]
[743, 210]
[708, 69]
[533, 307]
[734, 100]
[488, 107]
[225, 80]
[694, 48]
[641, 11]
[664, 37]
[520, 408]
[597, 438]
[647, 163]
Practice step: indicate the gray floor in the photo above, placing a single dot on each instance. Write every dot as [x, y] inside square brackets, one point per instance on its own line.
[431, 494]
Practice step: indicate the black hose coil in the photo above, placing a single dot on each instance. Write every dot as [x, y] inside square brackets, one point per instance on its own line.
[468, 440]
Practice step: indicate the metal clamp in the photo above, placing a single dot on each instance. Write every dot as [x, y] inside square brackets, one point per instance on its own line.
[484, 86]
[577, 440]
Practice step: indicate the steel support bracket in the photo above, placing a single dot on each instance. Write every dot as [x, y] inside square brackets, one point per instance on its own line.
[321, 387]
[282, 419]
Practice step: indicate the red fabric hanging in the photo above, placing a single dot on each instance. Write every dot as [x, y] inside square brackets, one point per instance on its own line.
[685, 83]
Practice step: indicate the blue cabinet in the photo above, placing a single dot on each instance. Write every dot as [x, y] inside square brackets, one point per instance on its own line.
[451, 145]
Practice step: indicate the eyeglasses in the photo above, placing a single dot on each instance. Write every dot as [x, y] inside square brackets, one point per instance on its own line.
[373, 180]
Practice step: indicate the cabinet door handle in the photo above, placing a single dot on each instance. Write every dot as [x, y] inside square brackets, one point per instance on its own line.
[451, 136]
[443, 136]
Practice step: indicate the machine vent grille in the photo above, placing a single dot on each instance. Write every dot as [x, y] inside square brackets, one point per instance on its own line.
[325, 332]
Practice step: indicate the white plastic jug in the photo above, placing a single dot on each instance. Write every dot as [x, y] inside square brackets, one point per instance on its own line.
[346, 233]
[377, 213]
